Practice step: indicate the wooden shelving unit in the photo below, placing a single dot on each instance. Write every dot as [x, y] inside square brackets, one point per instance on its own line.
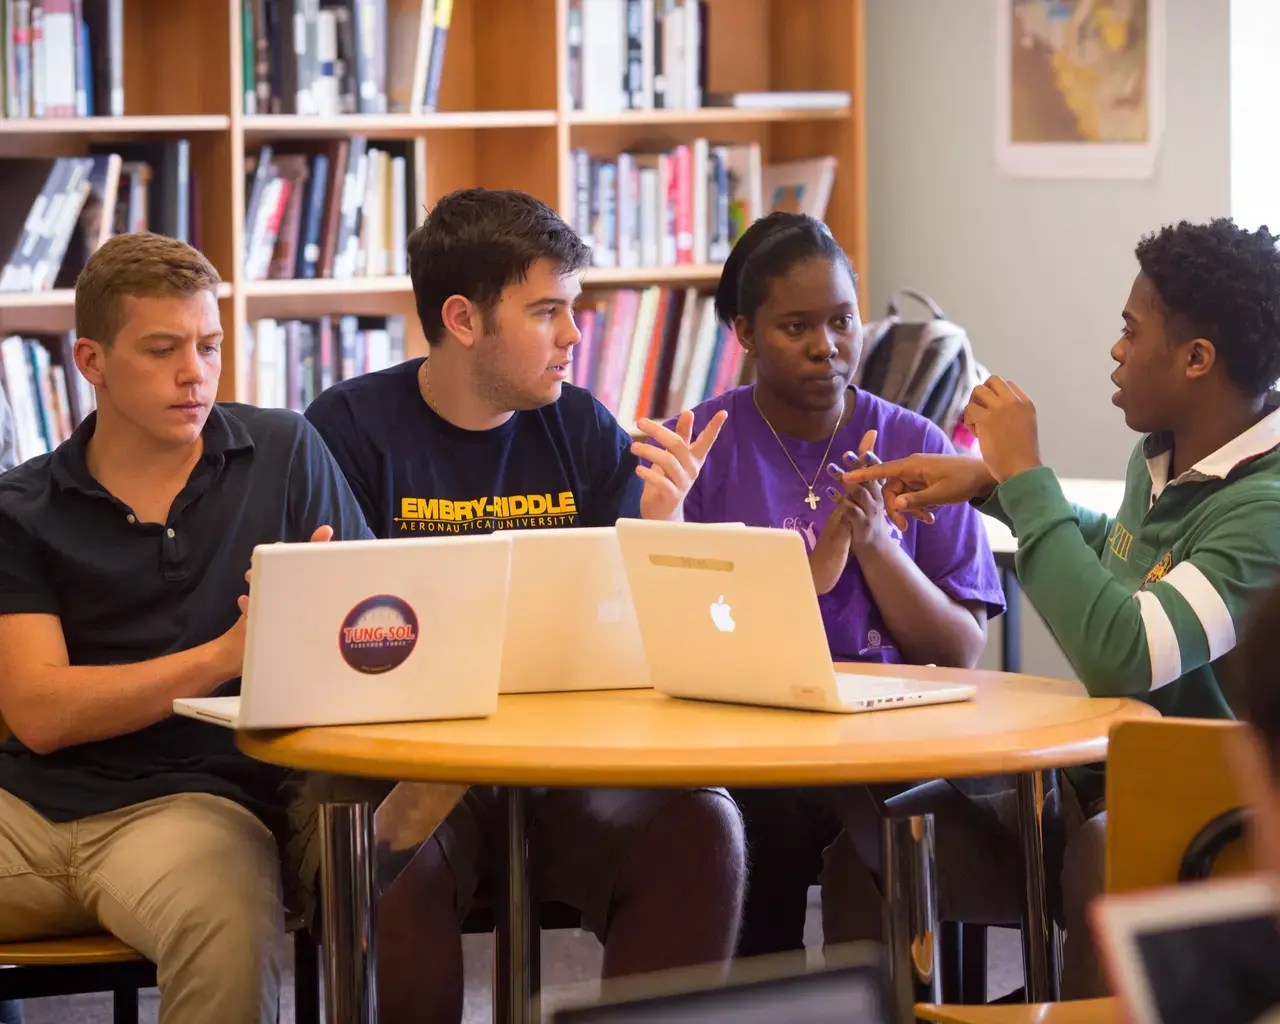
[504, 122]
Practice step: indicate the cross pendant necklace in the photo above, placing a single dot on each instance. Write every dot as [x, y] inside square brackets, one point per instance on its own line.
[810, 498]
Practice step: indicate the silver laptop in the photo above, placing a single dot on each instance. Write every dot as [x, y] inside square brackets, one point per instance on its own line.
[852, 988]
[730, 614]
[571, 624]
[354, 632]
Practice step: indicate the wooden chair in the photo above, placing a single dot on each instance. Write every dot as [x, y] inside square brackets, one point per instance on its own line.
[1174, 812]
[102, 963]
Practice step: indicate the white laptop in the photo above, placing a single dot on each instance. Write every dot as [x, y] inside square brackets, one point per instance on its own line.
[571, 624]
[730, 614]
[354, 632]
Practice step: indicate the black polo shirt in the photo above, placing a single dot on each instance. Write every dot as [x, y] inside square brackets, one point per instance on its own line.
[128, 591]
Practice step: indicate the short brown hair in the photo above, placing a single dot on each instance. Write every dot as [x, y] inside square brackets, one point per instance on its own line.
[143, 265]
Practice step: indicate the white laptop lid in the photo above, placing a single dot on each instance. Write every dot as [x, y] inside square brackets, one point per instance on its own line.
[728, 613]
[571, 623]
[374, 631]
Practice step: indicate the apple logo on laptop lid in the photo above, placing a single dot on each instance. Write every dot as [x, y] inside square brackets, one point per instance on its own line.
[722, 616]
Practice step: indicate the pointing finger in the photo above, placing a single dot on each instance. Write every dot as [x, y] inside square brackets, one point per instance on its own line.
[710, 432]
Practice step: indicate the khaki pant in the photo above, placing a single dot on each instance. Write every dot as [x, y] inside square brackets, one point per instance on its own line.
[190, 881]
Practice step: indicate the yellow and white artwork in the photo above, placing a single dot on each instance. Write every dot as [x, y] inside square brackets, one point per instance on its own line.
[1079, 87]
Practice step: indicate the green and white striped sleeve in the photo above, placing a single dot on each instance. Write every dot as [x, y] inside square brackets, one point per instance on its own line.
[1126, 644]
[1194, 614]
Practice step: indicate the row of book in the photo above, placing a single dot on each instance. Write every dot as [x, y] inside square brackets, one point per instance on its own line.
[636, 54]
[284, 364]
[654, 351]
[687, 205]
[47, 394]
[652, 54]
[333, 208]
[331, 57]
[62, 58]
[58, 211]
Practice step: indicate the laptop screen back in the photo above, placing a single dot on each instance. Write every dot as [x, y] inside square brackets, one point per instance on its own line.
[847, 995]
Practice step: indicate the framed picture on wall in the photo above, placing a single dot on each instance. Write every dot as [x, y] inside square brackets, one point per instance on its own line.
[1079, 87]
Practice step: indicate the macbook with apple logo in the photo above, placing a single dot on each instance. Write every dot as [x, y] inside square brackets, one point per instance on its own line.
[572, 623]
[730, 614]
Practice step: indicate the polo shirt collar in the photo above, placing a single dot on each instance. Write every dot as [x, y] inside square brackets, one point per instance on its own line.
[223, 433]
[1259, 439]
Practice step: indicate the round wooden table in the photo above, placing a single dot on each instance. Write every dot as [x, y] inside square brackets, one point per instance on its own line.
[1017, 725]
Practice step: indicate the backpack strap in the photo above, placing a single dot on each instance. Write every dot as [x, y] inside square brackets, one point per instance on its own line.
[921, 298]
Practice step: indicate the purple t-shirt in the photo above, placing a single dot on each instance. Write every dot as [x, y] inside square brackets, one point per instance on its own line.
[747, 479]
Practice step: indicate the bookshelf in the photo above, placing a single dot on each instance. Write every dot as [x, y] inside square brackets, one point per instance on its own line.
[505, 120]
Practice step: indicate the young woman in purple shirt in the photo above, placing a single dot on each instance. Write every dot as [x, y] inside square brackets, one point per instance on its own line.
[914, 595]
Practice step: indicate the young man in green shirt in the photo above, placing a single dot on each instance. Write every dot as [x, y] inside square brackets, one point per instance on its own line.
[1145, 603]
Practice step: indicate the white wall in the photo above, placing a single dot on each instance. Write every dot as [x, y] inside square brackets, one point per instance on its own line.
[1255, 90]
[1037, 271]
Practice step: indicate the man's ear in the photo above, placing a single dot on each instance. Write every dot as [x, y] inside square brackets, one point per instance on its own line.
[746, 336]
[89, 357]
[461, 319]
[1201, 357]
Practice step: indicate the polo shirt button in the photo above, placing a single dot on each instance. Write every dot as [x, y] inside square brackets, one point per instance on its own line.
[169, 532]
[131, 518]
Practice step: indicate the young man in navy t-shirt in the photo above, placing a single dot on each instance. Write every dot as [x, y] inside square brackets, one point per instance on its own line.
[487, 435]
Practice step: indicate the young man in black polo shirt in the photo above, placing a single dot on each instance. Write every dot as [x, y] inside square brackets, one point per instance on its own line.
[122, 561]
[486, 434]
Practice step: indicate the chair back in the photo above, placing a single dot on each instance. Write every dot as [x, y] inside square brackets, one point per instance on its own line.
[1174, 807]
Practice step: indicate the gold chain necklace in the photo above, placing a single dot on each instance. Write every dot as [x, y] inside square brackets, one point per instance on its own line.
[811, 499]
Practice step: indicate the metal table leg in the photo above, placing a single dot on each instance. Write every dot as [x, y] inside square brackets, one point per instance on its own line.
[1011, 623]
[1039, 942]
[347, 908]
[911, 913]
[516, 967]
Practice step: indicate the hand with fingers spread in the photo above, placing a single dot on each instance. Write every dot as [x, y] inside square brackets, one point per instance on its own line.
[1004, 421]
[856, 524]
[918, 483]
[868, 523]
[231, 643]
[674, 460]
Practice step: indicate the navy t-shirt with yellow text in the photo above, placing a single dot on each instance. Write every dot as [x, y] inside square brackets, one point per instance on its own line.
[567, 464]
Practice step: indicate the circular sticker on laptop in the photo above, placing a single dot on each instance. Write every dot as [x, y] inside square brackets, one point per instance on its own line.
[378, 634]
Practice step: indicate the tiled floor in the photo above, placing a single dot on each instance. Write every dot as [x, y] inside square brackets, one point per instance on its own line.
[571, 965]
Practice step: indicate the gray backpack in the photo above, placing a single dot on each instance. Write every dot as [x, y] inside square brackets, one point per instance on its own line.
[927, 367]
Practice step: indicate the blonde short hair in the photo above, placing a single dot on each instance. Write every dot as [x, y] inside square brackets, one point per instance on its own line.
[143, 265]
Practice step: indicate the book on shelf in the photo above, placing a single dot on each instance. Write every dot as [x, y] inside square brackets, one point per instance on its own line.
[47, 394]
[57, 211]
[332, 208]
[331, 57]
[63, 58]
[786, 99]
[284, 364]
[687, 205]
[654, 351]
[800, 186]
[636, 54]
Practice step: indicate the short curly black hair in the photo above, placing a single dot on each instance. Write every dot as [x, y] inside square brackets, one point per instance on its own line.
[1219, 282]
